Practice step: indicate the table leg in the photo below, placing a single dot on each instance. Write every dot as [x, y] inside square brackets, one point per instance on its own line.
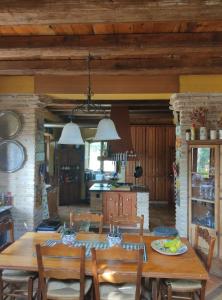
[203, 289]
[154, 288]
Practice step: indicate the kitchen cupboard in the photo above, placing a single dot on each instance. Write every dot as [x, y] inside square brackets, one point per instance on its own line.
[119, 204]
[70, 174]
[155, 148]
[205, 170]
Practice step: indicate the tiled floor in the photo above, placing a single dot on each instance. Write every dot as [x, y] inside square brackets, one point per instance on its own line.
[161, 215]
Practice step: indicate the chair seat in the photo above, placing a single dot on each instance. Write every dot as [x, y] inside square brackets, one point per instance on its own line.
[117, 291]
[183, 285]
[17, 275]
[66, 289]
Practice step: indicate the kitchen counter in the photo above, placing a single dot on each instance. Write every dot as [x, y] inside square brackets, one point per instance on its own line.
[106, 187]
[125, 199]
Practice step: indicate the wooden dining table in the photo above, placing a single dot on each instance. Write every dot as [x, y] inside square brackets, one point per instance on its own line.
[21, 255]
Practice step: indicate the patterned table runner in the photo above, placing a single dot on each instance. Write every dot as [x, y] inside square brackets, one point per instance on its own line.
[100, 245]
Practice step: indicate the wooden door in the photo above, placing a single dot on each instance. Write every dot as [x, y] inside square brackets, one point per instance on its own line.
[155, 146]
[170, 158]
[150, 162]
[110, 205]
[138, 134]
[160, 164]
[127, 204]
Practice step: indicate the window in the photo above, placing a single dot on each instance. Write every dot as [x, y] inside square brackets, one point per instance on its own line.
[93, 150]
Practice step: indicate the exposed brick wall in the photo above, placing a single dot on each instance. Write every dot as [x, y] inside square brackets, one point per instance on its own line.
[143, 207]
[22, 182]
[184, 103]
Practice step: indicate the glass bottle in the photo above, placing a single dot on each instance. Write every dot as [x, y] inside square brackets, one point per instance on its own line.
[188, 135]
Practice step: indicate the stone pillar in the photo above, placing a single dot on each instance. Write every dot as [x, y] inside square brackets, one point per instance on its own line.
[23, 183]
[184, 104]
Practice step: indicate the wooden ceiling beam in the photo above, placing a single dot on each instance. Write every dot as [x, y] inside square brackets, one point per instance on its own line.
[62, 53]
[103, 41]
[200, 63]
[137, 104]
[96, 11]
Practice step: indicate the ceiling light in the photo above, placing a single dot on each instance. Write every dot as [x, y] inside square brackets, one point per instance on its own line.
[106, 129]
[71, 135]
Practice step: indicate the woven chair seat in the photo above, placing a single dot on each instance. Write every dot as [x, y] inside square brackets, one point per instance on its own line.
[117, 291]
[66, 289]
[182, 285]
[17, 275]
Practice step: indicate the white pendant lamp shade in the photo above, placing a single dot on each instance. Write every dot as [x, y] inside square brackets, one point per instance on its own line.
[71, 135]
[106, 131]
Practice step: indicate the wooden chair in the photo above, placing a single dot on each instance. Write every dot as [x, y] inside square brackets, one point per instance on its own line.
[169, 287]
[58, 283]
[111, 285]
[123, 221]
[87, 217]
[11, 280]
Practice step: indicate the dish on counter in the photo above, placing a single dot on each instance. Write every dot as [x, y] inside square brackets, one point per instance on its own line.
[158, 245]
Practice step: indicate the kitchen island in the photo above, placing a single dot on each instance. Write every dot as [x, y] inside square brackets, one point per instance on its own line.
[123, 200]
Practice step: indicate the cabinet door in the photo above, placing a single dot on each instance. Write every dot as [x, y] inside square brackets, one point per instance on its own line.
[111, 205]
[204, 189]
[127, 204]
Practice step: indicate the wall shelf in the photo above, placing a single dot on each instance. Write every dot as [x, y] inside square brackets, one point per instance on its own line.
[112, 159]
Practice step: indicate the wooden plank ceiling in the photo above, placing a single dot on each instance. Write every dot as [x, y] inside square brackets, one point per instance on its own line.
[130, 38]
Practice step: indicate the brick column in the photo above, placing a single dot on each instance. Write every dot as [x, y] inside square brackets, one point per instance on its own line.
[184, 104]
[23, 183]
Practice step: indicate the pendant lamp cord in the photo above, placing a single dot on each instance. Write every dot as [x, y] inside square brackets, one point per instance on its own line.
[89, 90]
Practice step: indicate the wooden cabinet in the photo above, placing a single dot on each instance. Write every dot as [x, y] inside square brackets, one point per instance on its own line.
[204, 189]
[119, 204]
[70, 173]
[155, 147]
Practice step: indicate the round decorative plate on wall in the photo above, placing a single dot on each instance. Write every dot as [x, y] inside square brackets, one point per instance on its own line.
[12, 156]
[10, 124]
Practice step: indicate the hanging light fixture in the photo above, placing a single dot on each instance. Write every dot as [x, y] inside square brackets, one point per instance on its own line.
[106, 129]
[71, 135]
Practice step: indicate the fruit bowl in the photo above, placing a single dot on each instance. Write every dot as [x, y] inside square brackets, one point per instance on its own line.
[159, 246]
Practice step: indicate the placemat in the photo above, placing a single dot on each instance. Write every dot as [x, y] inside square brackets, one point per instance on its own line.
[100, 245]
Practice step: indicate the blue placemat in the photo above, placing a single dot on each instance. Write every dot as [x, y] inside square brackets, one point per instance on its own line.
[100, 245]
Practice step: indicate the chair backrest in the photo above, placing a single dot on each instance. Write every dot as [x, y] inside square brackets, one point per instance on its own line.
[7, 231]
[55, 254]
[127, 221]
[207, 255]
[87, 217]
[104, 260]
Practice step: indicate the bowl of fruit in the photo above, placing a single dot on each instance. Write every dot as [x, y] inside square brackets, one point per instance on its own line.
[169, 246]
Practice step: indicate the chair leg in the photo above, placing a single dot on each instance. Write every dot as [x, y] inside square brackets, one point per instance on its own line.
[30, 289]
[202, 291]
[1, 287]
